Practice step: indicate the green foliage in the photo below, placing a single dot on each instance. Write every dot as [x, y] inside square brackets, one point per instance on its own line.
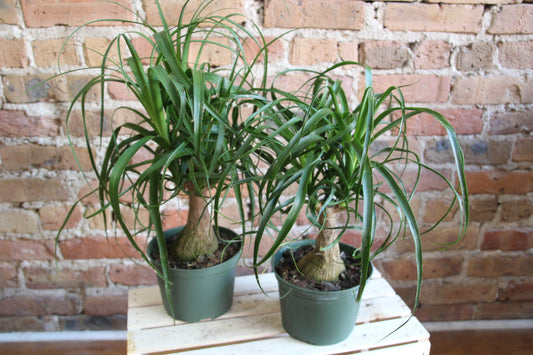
[189, 136]
[333, 153]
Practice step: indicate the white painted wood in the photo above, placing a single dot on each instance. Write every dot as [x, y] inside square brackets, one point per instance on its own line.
[365, 337]
[247, 304]
[202, 334]
[386, 307]
[145, 296]
[418, 348]
[253, 324]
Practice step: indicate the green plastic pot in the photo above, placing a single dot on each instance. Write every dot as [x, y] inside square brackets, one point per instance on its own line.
[316, 317]
[198, 294]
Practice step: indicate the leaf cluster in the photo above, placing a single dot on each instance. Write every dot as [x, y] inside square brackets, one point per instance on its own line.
[333, 153]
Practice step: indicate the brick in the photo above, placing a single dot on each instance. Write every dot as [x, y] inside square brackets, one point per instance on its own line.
[27, 157]
[36, 88]
[276, 49]
[447, 292]
[13, 54]
[491, 152]
[443, 237]
[86, 322]
[427, 181]
[213, 53]
[511, 123]
[418, 88]
[476, 56]
[348, 50]
[91, 124]
[26, 249]
[517, 291]
[512, 19]
[405, 269]
[172, 8]
[523, 149]
[98, 248]
[433, 17]
[516, 210]
[58, 302]
[333, 14]
[476, 152]
[483, 209]
[385, 54]
[464, 121]
[443, 313]
[294, 81]
[248, 247]
[27, 324]
[33, 189]
[8, 275]
[499, 182]
[52, 217]
[47, 52]
[311, 51]
[527, 91]
[47, 13]
[38, 277]
[19, 124]
[498, 265]
[119, 91]
[174, 218]
[18, 221]
[133, 221]
[8, 13]
[491, 90]
[504, 310]
[507, 240]
[515, 55]
[489, 2]
[94, 49]
[106, 303]
[132, 275]
[432, 55]
[435, 209]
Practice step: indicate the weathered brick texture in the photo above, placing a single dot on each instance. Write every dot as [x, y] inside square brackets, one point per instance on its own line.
[46, 13]
[433, 17]
[467, 59]
[334, 14]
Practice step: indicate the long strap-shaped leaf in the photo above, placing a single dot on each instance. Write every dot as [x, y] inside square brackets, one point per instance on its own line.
[115, 179]
[405, 207]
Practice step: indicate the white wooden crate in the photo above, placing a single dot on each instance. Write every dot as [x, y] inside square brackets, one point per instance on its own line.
[253, 325]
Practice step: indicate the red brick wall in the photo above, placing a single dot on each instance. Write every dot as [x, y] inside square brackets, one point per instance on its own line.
[469, 59]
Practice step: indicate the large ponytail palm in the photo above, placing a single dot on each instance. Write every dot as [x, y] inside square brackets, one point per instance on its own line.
[189, 137]
[334, 154]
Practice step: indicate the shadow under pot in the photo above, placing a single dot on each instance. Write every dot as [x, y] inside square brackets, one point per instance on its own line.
[316, 317]
[198, 294]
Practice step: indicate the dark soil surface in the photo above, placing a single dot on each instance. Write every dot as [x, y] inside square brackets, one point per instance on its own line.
[287, 270]
[226, 250]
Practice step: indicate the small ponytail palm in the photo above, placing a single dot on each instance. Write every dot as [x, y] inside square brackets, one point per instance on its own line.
[333, 153]
[189, 127]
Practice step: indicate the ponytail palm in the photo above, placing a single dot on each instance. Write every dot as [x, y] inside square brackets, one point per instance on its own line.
[334, 154]
[188, 139]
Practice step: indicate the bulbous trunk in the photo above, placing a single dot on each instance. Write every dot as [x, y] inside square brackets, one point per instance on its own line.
[198, 237]
[319, 264]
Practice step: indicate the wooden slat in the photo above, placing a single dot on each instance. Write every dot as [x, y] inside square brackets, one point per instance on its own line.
[365, 337]
[246, 302]
[205, 334]
[155, 316]
[253, 324]
[418, 348]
